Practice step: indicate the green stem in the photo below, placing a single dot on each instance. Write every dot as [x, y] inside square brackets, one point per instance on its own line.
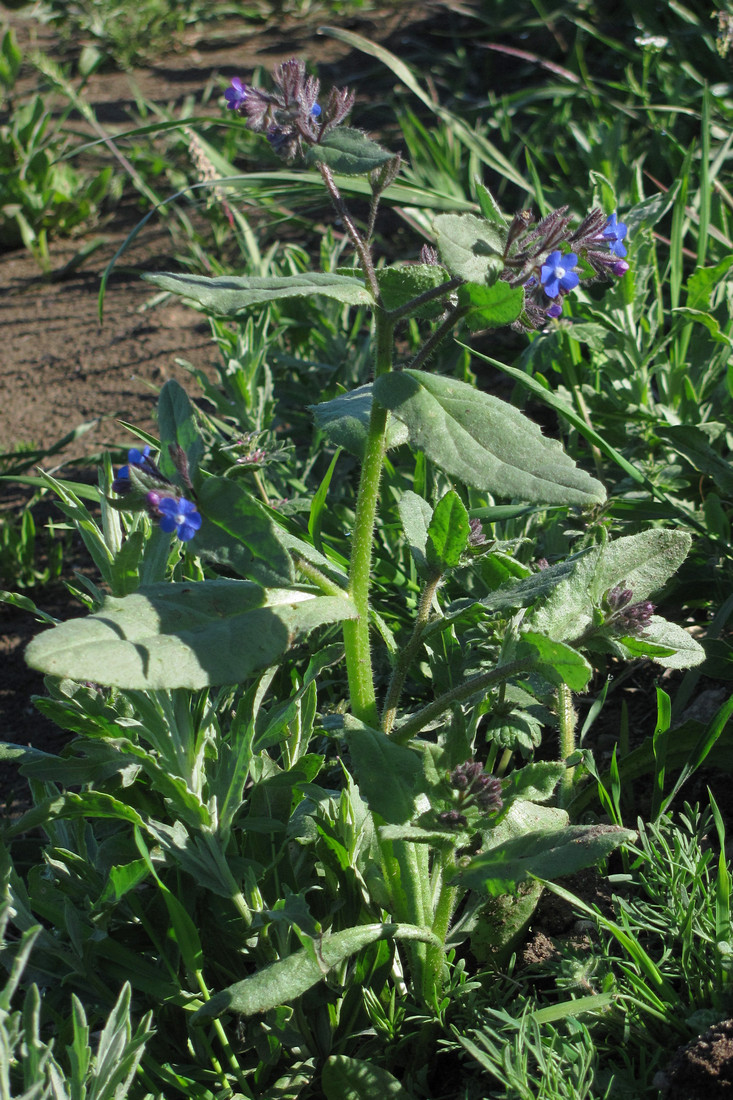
[356, 631]
[444, 909]
[317, 578]
[407, 655]
[567, 720]
[225, 1045]
[448, 323]
[360, 245]
[458, 694]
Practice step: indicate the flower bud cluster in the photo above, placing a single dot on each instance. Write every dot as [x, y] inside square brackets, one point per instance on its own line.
[291, 116]
[162, 500]
[543, 258]
[623, 615]
[474, 787]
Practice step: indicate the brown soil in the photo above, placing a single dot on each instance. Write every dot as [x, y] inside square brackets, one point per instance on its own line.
[702, 1070]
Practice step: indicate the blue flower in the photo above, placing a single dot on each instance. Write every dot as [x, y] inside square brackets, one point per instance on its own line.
[613, 234]
[236, 94]
[315, 110]
[121, 483]
[178, 515]
[558, 273]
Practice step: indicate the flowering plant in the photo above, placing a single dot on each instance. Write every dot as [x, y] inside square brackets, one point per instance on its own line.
[403, 792]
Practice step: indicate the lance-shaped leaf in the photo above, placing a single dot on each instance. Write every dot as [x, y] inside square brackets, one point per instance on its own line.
[415, 514]
[230, 295]
[470, 247]
[177, 425]
[188, 635]
[348, 151]
[286, 979]
[345, 420]
[641, 563]
[242, 535]
[541, 854]
[345, 1078]
[484, 442]
[389, 776]
[447, 533]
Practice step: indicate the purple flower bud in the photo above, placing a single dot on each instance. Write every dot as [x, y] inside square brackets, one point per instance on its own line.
[236, 94]
[618, 597]
[452, 818]
[620, 268]
[555, 310]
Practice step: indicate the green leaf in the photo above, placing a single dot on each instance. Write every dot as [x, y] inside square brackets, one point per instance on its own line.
[489, 206]
[230, 295]
[183, 927]
[541, 854]
[558, 662]
[177, 425]
[703, 282]
[528, 590]
[188, 635]
[534, 782]
[389, 776]
[345, 420]
[415, 515]
[447, 533]
[470, 247]
[348, 151]
[346, 1078]
[282, 981]
[403, 282]
[693, 444]
[491, 306]
[483, 441]
[705, 319]
[666, 643]
[641, 562]
[252, 549]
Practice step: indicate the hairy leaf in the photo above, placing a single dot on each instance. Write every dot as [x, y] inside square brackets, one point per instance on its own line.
[345, 420]
[230, 295]
[470, 247]
[548, 855]
[348, 151]
[188, 635]
[483, 441]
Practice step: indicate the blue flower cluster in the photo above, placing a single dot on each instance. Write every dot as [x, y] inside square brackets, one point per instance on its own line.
[549, 259]
[558, 275]
[174, 514]
[291, 116]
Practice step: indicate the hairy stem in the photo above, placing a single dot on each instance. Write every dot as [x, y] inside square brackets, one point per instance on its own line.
[407, 655]
[435, 338]
[458, 694]
[356, 631]
[567, 720]
[357, 240]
